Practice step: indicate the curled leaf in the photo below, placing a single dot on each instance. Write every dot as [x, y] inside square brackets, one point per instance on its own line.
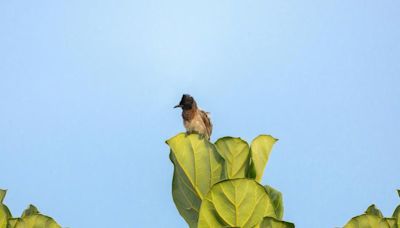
[260, 150]
[276, 199]
[2, 195]
[369, 221]
[4, 211]
[372, 210]
[31, 210]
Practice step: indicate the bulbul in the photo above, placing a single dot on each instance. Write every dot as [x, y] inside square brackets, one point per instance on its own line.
[195, 120]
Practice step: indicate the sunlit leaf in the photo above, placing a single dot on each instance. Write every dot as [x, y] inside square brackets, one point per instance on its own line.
[31, 210]
[31, 218]
[34, 221]
[2, 195]
[392, 222]
[372, 210]
[12, 222]
[369, 221]
[186, 199]
[235, 203]
[197, 167]
[259, 151]
[4, 211]
[276, 200]
[236, 154]
[396, 213]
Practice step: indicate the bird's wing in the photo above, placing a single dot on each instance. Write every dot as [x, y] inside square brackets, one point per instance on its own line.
[205, 116]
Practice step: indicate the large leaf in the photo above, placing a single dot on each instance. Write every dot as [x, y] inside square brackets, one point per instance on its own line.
[4, 211]
[197, 167]
[186, 199]
[276, 199]
[236, 154]
[259, 151]
[269, 222]
[370, 221]
[235, 203]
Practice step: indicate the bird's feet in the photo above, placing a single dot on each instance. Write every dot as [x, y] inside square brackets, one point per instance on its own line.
[201, 136]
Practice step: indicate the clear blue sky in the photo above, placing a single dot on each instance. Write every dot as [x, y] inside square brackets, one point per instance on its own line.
[87, 90]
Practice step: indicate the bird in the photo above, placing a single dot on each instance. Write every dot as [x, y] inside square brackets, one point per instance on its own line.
[195, 120]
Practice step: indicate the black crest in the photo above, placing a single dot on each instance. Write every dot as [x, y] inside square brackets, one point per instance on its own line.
[186, 102]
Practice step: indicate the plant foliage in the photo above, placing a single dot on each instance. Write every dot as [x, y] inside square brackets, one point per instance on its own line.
[31, 217]
[218, 185]
[373, 218]
[235, 203]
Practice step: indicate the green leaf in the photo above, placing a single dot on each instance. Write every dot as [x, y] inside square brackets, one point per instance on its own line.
[2, 195]
[269, 222]
[34, 221]
[236, 153]
[392, 222]
[276, 199]
[187, 201]
[372, 218]
[12, 222]
[197, 167]
[4, 211]
[31, 210]
[235, 203]
[372, 210]
[369, 221]
[31, 218]
[4, 215]
[396, 213]
[259, 151]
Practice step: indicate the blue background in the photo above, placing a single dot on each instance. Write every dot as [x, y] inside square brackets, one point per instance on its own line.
[87, 90]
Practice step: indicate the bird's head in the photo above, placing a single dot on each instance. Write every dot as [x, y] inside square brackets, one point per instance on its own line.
[187, 102]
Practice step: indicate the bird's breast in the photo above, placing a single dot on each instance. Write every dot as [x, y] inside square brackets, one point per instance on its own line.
[195, 124]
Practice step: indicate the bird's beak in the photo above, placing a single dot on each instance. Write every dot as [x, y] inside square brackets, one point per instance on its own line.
[178, 106]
